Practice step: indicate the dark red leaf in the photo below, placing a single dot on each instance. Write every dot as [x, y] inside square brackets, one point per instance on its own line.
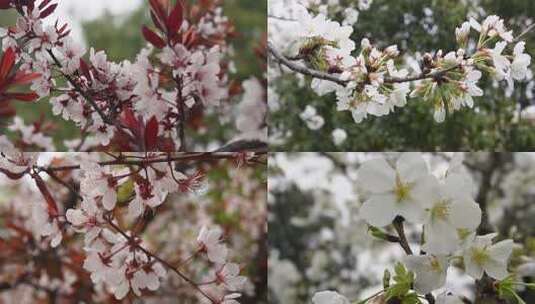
[131, 122]
[23, 78]
[43, 4]
[49, 10]
[157, 22]
[85, 69]
[151, 134]
[174, 22]
[5, 4]
[152, 37]
[7, 62]
[28, 97]
[158, 10]
[50, 201]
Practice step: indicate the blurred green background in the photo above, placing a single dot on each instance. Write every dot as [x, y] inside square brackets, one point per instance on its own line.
[120, 36]
[412, 127]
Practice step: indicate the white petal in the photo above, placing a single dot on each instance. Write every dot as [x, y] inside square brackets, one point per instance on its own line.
[411, 166]
[379, 210]
[109, 199]
[440, 238]
[411, 210]
[376, 176]
[426, 191]
[465, 214]
[501, 250]
[458, 185]
[135, 208]
[496, 269]
[472, 269]
[427, 278]
[75, 217]
[329, 297]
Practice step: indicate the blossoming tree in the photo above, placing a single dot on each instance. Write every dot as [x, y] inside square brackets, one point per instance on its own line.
[145, 105]
[316, 41]
[92, 227]
[418, 235]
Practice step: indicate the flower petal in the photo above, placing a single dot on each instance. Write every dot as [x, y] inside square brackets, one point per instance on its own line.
[376, 176]
[410, 166]
[465, 214]
[379, 210]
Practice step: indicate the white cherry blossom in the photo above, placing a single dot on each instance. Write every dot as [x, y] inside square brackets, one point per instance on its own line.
[430, 271]
[210, 242]
[483, 256]
[394, 191]
[449, 207]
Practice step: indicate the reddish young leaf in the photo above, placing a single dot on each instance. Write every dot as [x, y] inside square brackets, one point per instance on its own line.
[48, 11]
[50, 201]
[85, 69]
[44, 4]
[174, 22]
[131, 122]
[23, 78]
[5, 4]
[7, 62]
[151, 134]
[158, 10]
[156, 21]
[28, 97]
[152, 37]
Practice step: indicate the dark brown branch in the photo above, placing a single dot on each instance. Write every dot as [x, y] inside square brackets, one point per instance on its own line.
[184, 157]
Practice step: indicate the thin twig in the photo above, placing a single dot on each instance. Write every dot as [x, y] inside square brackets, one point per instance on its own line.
[525, 32]
[184, 157]
[162, 261]
[105, 118]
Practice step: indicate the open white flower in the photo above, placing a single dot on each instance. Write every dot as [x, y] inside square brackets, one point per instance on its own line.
[449, 208]
[329, 297]
[430, 271]
[521, 62]
[209, 241]
[483, 256]
[501, 63]
[394, 191]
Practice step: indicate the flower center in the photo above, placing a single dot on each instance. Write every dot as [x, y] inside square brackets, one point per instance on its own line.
[435, 265]
[440, 211]
[402, 190]
[479, 256]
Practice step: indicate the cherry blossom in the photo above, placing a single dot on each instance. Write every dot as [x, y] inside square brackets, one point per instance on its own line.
[448, 209]
[396, 191]
[484, 256]
[210, 242]
[430, 271]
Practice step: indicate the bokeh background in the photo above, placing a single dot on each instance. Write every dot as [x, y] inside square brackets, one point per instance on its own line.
[414, 25]
[115, 26]
[318, 241]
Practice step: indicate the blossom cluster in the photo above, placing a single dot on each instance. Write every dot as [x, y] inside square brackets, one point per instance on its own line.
[139, 105]
[406, 191]
[370, 83]
[116, 199]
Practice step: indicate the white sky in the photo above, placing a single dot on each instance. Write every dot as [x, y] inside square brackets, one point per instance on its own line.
[75, 11]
